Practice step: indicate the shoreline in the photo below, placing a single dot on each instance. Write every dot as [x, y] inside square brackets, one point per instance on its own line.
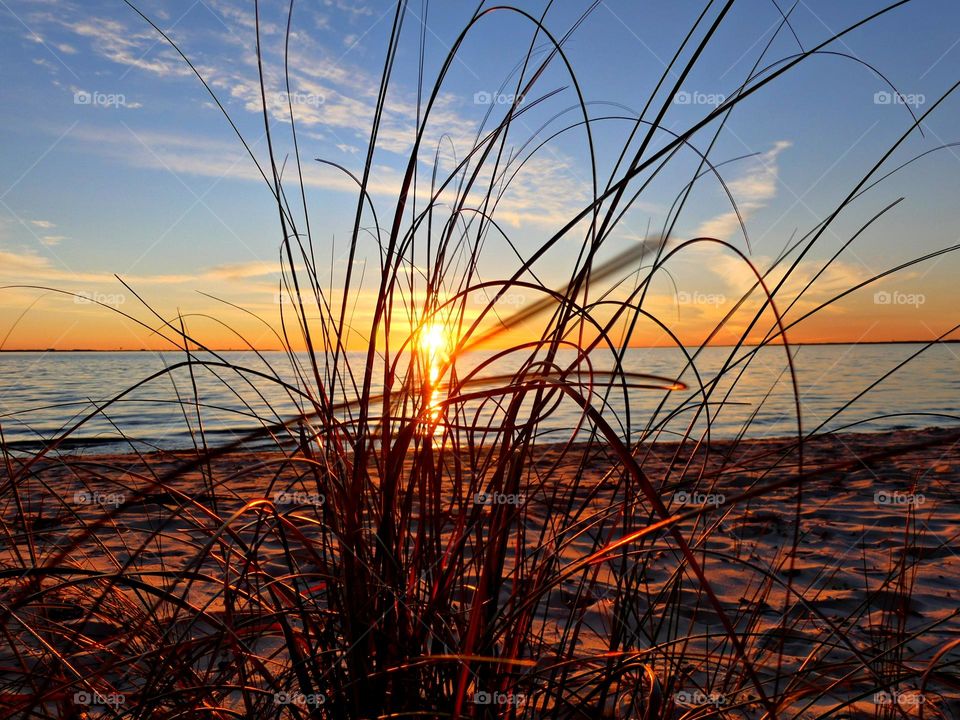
[717, 444]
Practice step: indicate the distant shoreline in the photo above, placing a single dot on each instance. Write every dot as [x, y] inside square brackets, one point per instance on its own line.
[91, 450]
[106, 450]
[630, 347]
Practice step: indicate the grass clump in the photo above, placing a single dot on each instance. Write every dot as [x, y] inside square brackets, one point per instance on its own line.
[419, 540]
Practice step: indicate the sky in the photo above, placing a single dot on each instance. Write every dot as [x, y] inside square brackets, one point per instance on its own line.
[117, 163]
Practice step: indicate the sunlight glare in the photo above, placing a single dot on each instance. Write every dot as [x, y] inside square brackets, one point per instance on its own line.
[434, 342]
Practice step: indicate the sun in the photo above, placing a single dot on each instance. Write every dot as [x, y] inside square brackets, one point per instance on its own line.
[434, 341]
[434, 344]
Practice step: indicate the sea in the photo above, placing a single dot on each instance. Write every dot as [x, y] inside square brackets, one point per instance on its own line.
[108, 402]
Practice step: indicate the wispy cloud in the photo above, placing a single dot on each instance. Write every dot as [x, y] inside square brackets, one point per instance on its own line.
[48, 239]
[28, 268]
[751, 190]
[332, 101]
[116, 41]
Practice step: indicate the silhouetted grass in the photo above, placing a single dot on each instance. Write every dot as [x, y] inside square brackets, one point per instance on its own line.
[414, 543]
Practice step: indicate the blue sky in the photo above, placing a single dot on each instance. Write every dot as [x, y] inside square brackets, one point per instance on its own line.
[115, 160]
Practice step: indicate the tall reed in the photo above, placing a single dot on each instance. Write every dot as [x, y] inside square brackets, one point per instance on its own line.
[415, 542]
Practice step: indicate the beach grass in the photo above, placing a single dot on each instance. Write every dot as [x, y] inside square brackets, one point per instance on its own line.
[413, 543]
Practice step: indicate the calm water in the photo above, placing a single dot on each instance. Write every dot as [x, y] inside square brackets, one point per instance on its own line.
[43, 394]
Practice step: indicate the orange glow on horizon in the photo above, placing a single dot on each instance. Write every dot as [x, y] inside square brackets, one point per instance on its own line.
[66, 326]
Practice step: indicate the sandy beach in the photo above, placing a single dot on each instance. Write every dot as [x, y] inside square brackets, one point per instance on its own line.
[874, 576]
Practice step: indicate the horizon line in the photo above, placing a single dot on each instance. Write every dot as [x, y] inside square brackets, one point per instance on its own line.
[928, 341]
